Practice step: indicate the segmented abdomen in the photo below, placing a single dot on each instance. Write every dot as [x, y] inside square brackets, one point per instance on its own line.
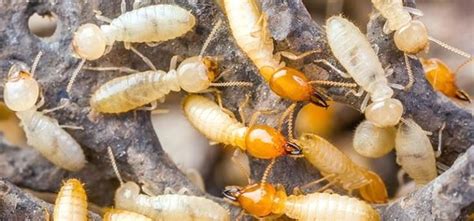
[124, 215]
[330, 160]
[393, 11]
[132, 91]
[152, 24]
[354, 52]
[71, 202]
[55, 144]
[250, 32]
[175, 207]
[325, 206]
[415, 153]
[209, 119]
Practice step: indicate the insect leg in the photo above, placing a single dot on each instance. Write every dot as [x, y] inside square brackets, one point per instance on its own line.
[153, 106]
[292, 56]
[119, 69]
[439, 151]
[363, 106]
[143, 57]
[63, 105]
[326, 62]
[242, 105]
[301, 189]
[257, 114]
[100, 17]
[123, 6]
[413, 11]
[174, 61]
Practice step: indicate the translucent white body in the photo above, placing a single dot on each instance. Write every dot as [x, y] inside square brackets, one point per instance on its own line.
[168, 206]
[129, 92]
[393, 11]
[354, 52]
[21, 90]
[325, 206]
[372, 141]
[251, 33]
[207, 117]
[415, 153]
[45, 135]
[124, 215]
[71, 202]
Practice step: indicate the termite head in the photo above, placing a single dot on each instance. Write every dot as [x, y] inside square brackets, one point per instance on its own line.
[291, 84]
[385, 113]
[127, 192]
[265, 142]
[196, 74]
[89, 42]
[375, 191]
[21, 89]
[259, 200]
[412, 37]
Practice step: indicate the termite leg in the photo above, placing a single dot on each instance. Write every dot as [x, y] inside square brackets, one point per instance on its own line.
[147, 61]
[148, 190]
[325, 187]
[326, 62]
[119, 69]
[72, 127]
[388, 71]
[257, 114]
[100, 17]
[182, 191]
[376, 48]
[123, 6]
[41, 102]
[399, 87]
[358, 93]
[240, 165]
[174, 61]
[363, 106]
[153, 106]
[292, 56]
[413, 11]
[63, 105]
[159, 111]
[386, 29]
[439, 151]
[242, 106]
[260, 25]
[312, 183]
[218, 96]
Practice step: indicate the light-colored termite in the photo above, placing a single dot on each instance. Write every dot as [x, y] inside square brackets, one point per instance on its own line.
[42, 132]
[259, 141]
[340, 170]
[263, 200]
[195, 74]
[151, 24]
[372, 141]
[124, 215]
[249, 28]
[415, 153]
[166, 206]
[354, 52]
[71, 202]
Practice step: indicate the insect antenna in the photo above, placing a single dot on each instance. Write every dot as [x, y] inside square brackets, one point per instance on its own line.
[267, 171]
[471, 59]
[114, 164]
[210, 37]
[74, 76]
[450, 48]
[35, 63]
[411, 79]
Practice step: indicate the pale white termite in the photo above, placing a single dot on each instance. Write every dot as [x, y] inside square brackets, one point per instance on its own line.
[149, 24]
[414, 152]
[42, 132]
[71, 202]
[124, 215]
[166, 206]
[372, 141]
[354, 52]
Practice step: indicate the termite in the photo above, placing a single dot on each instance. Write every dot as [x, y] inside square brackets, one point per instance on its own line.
[249, 28]
[194, 74]
[71, 202]
[372, 141]
[354, 52]
[259, 141]
[340, 170]
[415, 153]
[443, 79]
[124, 215]
[265, 200]
[166, 206]
[151, 24]
[42, 132]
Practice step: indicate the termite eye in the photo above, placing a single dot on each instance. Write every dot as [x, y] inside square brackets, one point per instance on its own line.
[318, 99]
[293, 149]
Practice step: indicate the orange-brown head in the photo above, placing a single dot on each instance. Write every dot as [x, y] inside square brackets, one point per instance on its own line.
[259, 200]
[291, 84]
[375, 191]
[265, 142]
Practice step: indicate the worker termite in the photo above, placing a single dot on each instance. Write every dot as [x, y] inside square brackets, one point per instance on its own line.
[265, 200]
[124, 215]
[442, 78]
[249, 28]
[42, 132]
[259, 141]
[149, 25]
[372, 141]
[167, 206]
[340, 170]
[195, 74]
[71, 202]
[415, 153]
[354, 52]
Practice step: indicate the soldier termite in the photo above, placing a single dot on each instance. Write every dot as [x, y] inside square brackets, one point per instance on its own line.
[166, 206]
[259, 141]
[338, 169]
[354, 52]
[195, 74]
[71, 202]
[149, 25]
[249, 28]
[42, 132]
[264, 200]
[372, 141]
[442, 78]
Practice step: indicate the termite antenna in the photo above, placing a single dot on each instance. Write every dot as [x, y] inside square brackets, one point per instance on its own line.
[450, 48]
[114, 165]
[267, 171]
[232, 83]
[471, 59]
[74, 76]
[210, 37]
[334, 83]
[411, 79]
[35, 63]
[290, 124]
